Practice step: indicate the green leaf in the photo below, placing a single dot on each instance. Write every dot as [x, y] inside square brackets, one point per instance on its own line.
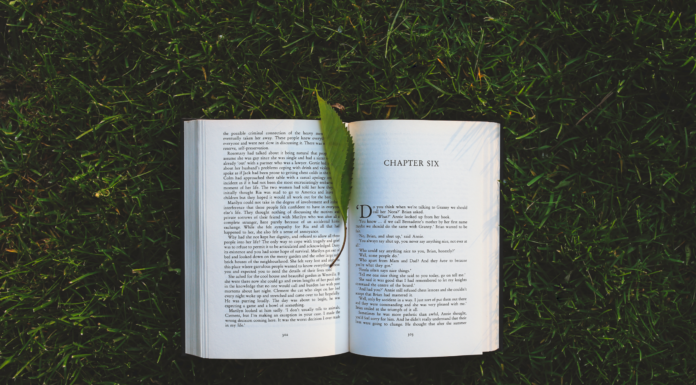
[338, 145]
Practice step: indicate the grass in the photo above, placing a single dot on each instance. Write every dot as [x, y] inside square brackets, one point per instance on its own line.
[598, 213]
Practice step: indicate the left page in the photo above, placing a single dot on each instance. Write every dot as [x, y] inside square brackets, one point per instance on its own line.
[271, 231]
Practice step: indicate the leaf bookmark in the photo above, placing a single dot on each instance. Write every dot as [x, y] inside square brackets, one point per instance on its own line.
[338, 145]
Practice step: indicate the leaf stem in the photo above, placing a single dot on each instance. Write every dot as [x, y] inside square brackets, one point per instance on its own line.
[345, 232]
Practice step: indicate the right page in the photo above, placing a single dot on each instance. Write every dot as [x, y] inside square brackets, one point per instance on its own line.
[423, 238]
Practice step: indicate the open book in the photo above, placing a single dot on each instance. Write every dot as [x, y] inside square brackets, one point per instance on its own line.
[419, 276]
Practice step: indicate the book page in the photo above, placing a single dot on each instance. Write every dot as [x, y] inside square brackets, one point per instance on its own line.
[423, 233]
[272, 230]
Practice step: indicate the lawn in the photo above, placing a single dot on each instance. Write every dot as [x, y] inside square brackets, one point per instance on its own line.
[598, 221]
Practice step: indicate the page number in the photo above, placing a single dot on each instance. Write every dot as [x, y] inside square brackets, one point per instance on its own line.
[410, 334]
[284, 335]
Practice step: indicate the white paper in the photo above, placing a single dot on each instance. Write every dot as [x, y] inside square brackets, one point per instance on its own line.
[391, 169]
[261, 340]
